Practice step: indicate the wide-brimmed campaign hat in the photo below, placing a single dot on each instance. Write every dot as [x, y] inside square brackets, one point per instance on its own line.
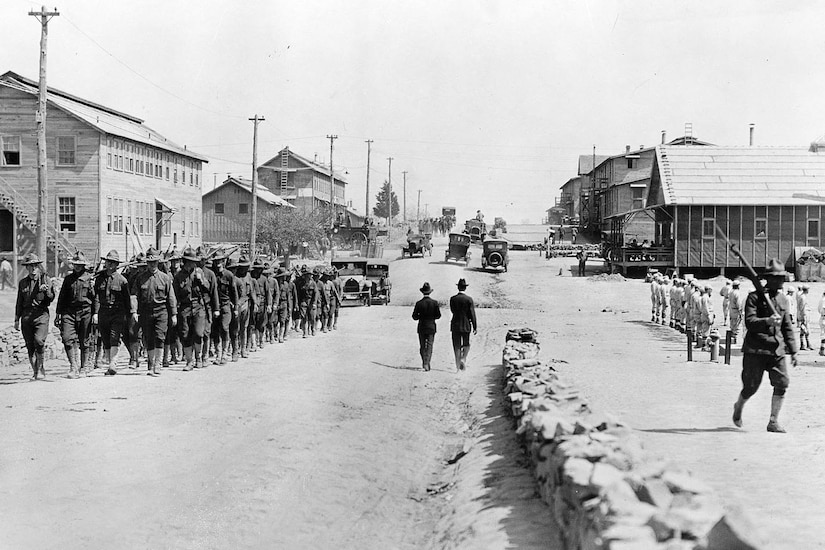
[31, 259]
[258, 264]
[281, 272]
[79, 258]
[152, 255]
[111, 256]
[462, 284]
[426, 288]
[190, 255]
[243, 261]
[775, 269]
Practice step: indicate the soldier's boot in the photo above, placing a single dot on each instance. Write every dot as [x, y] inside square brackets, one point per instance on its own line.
[261, 339]
[41, 368]
[156, 362]
[111, 356]
[187, 354]
[737, 411]
[100, 353]
[33, 364]
[84, 354]
[199, 364]
[167, 352]
[776, 406]
[72, 356]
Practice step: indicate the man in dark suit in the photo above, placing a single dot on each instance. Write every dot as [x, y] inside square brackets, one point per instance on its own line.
[426, 312]
[463, 321]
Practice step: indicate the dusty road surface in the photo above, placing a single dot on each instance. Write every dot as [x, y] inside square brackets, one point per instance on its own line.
[341, 441]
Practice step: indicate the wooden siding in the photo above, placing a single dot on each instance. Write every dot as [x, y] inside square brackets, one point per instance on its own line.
[231, 226]
[787, 227]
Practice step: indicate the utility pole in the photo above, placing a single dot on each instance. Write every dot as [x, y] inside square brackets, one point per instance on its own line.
[331, 139]
[367, 203]
[40, 118]
[256, 119]
[389, 200]
[418, 208]
[404, 173]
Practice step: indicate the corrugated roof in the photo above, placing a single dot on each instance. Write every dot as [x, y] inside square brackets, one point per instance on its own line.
[103, 118]
[715, 175]
[261, 191]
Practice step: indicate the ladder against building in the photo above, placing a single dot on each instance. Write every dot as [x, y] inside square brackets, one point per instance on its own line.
[25, 213]
[284, 169]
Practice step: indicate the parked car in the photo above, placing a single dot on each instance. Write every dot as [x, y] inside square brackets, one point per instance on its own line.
[355, 287]
[494, 254]
[378, 276]
[476, 229]
[458, 249]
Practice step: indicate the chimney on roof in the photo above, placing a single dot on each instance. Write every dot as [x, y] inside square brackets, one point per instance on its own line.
[664, 137]
[641, 147]
[752, 125]
[627, 149]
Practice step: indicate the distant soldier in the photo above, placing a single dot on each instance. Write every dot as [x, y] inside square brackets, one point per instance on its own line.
[737, 310]
[6, 274]
[194, 304]
[170, 264]
[246, 304]
[306, 301]
[335, 299]
[324, 289]
[227, 306]
[696, 312]
[707, 316]
[664, 300]
[725, 294]
[74, 314]
[154, 307]
[273, 297]
[133, 336]
[285, 305]
[317, 303]
[674, 302]
[263, 295]
[110, 309]
[803, 317]
[31, 314]
[212, 305]
[654, 299]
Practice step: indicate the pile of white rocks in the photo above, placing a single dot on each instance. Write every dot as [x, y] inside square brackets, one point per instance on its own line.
[604, 490]
[13, 347]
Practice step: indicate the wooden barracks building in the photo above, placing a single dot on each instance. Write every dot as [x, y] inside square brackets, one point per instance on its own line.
[301, 182]
[113, 182]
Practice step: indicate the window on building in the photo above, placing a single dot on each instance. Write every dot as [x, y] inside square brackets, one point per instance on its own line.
[66, 151]
[11, 151]
[167, 225]
[183, 213]
[760, 228]
[638, 194]
[109, 214]
[708, 228]
[67, 214]
[129, 227]
[197, 222]
[243, 208]
[813, 229]
[108, 152]
[150, 218]
[219, 208]
[630, 163]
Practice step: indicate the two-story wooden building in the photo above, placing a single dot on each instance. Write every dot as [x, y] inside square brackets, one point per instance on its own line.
[113, 182]
[303, 183]
[227, 210]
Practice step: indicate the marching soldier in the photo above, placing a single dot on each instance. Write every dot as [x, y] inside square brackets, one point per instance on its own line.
[227, 308]
[246, 304]
[74, 314]
[133, 336]
[286, 291]
[111, 307]
[263, 292]
[696, 312]
[324, 287]
[193, 297]
[706, 316]
[335, 299]
[170, 264]
[803, 317]
[664, 299]
[154, 307]
[725, 294]
[31, 314]
[654, 299]
[270, 272]
[212, 306]
[306, 300]
[737, 310]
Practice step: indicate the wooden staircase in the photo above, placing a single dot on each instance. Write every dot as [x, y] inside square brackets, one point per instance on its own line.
[26, 213]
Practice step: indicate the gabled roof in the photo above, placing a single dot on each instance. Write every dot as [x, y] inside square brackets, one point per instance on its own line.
[635, 175]
[320, 168]
[586, 164]
[740, 175]
[262, 192]
[104, 119]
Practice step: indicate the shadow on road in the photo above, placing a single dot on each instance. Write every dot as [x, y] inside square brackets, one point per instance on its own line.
[690, 431]
[398, 367]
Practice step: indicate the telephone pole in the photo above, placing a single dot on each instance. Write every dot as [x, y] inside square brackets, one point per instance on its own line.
[43, 17]
[389, 200]
[256, 119]
[404, 173]
[331, 139]
[367, 203]
[418, 208]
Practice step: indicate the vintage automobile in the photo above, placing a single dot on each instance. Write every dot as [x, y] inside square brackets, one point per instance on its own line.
[476, 229]
[417, 244]
[378, 276]
[458, 249]
[494, 254]
[356, 289]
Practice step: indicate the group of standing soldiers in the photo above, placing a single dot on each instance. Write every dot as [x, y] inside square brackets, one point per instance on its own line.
[171, 306]
[687, 306]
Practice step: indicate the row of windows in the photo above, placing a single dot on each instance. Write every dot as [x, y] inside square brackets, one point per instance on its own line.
[193, 217]
[243, 208]
[10, 151]
[124, 156]
[144, 218]
[760, 228]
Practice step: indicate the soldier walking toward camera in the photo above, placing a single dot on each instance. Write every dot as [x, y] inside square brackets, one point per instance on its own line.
[769, 338]
[31, 314]
[273, 296]
[210, 280]
[154, 307]
[463, 321]
[194, 304]
[263, 293]
[243, 285]
[426, 312]
[306, 300]
[284, 304]
[737, 310]
[74, 314]
[227, 300]
[110, 308]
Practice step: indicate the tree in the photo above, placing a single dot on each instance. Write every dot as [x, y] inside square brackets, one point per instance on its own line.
[285, 227]
[381, 208]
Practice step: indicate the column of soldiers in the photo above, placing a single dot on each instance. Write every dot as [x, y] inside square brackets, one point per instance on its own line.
[171, 307]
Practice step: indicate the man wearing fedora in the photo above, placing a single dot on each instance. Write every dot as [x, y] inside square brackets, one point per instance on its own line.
[769, 338]
[463, 321]
[426, 312]
[110, 307]
[154, 306]
[74, 314]
[31, 313]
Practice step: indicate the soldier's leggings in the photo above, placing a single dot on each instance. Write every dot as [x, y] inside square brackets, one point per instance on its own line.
[75, 327]
[154, 325]
[35, 328]
[191, 327]
[110, 326]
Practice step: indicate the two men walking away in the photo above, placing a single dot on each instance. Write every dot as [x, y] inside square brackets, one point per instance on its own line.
[426, 312]
[463, 321]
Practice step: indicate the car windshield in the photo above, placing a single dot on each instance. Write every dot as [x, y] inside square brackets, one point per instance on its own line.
[495, 246]
[376, 271]
[350, 269]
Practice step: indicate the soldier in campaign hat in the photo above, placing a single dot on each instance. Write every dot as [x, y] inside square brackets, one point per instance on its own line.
[286, 290]
[74, 314]
[154, 306]
[211, 303]
[31, 313]
[193, 296]
[110, 308]
[227, 306]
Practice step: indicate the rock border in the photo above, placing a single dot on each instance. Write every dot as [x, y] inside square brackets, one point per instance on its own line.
[604, 490]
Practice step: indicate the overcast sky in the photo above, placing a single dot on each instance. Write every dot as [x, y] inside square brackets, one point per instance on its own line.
[485, 104]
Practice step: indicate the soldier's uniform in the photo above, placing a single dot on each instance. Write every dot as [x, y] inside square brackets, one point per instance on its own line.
[170, 264]
[246, 298]
[74, 314]
[193, 297]
[654, 299]
[706, 316]
[335, 299]
[133, 335]
[31, 313]
[227, 300]
[725, 294]
[736, 303]
[664, 300]
[306, 300]
[111, 308]
[212, 308]
[273, 293]
[263, 295]
[286, 289]
[803, 317]
[153, 300]
[324, 287]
